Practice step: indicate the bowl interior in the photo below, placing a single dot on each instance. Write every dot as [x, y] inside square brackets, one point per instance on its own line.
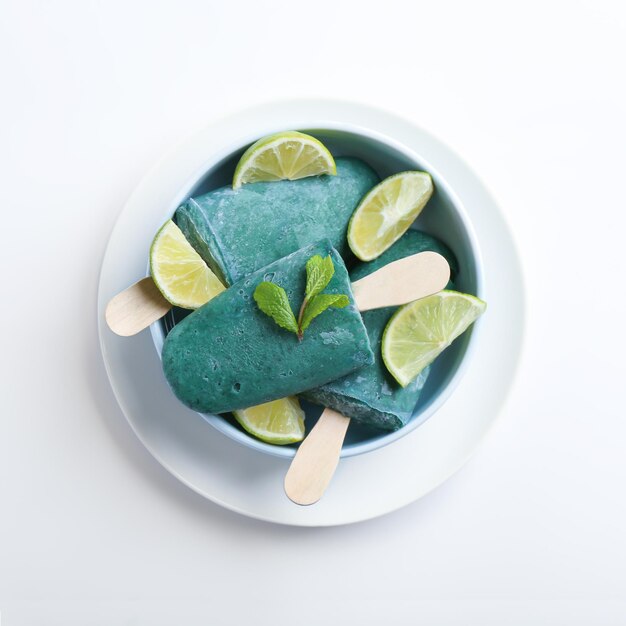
[443, 217]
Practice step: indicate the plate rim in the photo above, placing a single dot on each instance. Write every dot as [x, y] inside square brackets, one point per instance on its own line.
[295, 107]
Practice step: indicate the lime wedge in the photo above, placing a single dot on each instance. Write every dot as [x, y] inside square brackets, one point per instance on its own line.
[279, 422]
[386, 212]
[181, 275]
[420, 331]
[289, 155]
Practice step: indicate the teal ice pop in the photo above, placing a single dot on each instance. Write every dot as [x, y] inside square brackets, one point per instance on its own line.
[228, 355]
[371, 395]
[238, 231]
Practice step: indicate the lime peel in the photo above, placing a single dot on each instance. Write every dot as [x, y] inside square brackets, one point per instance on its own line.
[279, 422]
[420, 331]
[386, 212]
[179, 272]
[289, 155]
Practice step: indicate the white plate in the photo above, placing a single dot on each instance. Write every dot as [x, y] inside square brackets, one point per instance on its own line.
[242, 479]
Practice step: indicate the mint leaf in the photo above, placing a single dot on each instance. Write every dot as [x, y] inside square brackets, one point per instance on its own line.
[319, 304]
[319, 271]
[273, 301]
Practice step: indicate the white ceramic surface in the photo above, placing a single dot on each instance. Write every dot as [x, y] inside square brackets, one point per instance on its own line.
[443, 217]
[240, 478]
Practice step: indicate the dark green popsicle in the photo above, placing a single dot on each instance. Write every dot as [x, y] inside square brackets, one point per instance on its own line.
[371, 395]
[238, 231]
[228, 355]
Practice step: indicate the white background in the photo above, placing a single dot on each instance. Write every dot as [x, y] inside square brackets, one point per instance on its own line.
[531, 531]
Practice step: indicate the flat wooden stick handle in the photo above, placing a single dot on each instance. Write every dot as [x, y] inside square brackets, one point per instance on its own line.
[402, 281]
[316, 459]
[136, 308]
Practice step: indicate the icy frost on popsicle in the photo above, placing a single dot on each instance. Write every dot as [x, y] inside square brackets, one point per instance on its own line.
[238, 231]
[229, 355]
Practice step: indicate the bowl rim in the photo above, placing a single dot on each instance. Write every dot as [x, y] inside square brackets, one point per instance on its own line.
[313, 124]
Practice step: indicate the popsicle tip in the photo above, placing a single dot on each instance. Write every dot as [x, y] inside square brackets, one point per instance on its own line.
[295, 492]
[135, 308]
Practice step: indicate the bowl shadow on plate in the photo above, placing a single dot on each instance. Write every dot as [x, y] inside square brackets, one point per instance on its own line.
[440, 218]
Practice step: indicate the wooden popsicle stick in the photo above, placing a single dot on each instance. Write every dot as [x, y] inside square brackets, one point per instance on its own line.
[402, 281]
[136, 308]
[316, 460]
[397, 283]
[139, 305]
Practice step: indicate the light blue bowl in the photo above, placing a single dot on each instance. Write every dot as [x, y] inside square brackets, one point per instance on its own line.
[443, 217]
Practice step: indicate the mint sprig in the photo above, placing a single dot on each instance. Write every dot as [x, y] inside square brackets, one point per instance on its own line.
[273, 301]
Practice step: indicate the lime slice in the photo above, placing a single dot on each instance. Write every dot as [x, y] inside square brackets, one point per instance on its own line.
[420, 331]
[179, 272]
[278, 422]
[289, 155]
[386, 213]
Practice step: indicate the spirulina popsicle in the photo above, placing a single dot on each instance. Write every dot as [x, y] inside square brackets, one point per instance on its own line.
[239, 231]
[371, 395]
[228, 355]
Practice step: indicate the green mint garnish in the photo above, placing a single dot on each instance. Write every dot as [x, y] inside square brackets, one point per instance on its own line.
[319, 304]
[319, 271]
[273, 301]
